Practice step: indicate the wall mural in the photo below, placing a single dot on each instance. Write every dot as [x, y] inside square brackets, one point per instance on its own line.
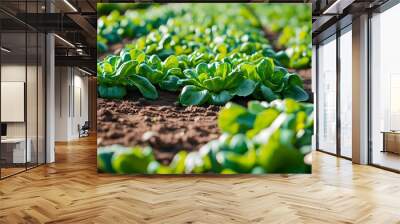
[204, 88]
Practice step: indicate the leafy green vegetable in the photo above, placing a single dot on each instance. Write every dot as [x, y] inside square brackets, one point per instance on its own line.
[104, 157]
[235, 29]
[113, 27]
[230, 38]
[132, 160]
[293, 25]
[263, 138]
[212, 54]
[274, 82]
[215, 83]
[193, 95]
[113, 92]
[116, 74]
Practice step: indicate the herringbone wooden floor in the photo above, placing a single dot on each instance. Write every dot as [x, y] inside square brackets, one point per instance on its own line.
[70, 191]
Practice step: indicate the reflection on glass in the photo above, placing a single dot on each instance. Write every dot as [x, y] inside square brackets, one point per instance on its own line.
[346, 94]
[327, 96]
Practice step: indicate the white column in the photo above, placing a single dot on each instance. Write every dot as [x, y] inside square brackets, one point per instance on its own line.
[360, 90]
[50, 99]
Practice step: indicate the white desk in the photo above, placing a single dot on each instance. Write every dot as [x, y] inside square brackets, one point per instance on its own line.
[18, 149]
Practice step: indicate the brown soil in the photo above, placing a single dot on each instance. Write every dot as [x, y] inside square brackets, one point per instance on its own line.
[162, 124]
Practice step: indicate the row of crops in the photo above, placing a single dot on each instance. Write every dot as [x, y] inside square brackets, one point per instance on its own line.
[212, 54]
[291, 23]
[262, 138]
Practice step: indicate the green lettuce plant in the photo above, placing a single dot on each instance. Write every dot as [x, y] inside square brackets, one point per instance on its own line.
[117, 74]
[214, 83]
[165, 74]
[116, 26]
[274, 82]
[262, 138]
[292, 24]
[171, 46]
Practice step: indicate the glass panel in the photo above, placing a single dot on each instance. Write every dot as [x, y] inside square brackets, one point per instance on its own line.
[327, 96]
[41, 99]
[346, 94]
[385, 84]
[32, 97]
[32, 88]
[22, 87]
[13, 86]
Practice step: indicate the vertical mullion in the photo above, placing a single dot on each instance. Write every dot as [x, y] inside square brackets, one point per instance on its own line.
[45, 94]
[338, 98]
[45, 86]
[69, 92]
[37, 90]
[316, 97]
[0, 94]
[26, 86]
[73, 92]
[60, 88]
[369, 90]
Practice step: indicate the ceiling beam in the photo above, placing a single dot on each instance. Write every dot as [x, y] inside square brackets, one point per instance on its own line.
[89, 30]
[337, 7]
[77, 61]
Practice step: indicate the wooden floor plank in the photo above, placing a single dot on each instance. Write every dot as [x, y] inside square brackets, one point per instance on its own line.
[71, 191]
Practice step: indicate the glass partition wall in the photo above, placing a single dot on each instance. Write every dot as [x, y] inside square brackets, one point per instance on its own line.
[385, 90]
[327, 95]
[334, 90]
[345, 90]
[22, 77]
[13, 94]
[334, 93]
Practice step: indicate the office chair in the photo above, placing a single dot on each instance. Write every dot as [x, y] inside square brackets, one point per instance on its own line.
[84, 130]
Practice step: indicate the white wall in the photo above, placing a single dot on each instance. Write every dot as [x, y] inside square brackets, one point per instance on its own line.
[70, 83]
[61, 103]
[12, 73]
[33, 127]
[80, 110]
